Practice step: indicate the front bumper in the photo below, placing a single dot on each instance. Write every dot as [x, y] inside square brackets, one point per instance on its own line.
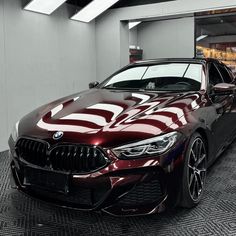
[136, 187]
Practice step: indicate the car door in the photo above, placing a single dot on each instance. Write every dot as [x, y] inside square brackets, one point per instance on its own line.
[222, 126]
[231, 114]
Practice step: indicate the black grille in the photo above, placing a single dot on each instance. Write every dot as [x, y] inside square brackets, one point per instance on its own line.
[75, 158]
[32, 151]
[145, 193]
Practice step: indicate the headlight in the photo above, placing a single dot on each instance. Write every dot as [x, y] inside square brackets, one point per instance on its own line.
[14, 132]
[153, 146]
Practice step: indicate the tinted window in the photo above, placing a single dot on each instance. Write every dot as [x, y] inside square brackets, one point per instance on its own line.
[224, 73]
[231, 73]
[214, 75]
[209, 40]
[160, 77]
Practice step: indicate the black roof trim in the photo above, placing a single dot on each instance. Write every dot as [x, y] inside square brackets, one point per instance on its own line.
[163, 60]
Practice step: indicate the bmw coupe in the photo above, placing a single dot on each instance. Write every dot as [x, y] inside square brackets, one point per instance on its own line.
[137, 143]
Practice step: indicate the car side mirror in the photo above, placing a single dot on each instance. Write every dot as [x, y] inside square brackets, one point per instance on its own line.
[93, 84]
[224, 89]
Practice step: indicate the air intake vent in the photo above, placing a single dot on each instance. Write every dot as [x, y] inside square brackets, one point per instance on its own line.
[145, 193]
[73, 158]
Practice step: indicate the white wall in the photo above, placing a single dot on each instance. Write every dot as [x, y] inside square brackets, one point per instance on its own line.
[42, 58]
[112, 45]
[133, 36]
[3, 90]
[168, 38]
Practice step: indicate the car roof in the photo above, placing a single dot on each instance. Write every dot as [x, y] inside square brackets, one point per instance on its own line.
[179, 60]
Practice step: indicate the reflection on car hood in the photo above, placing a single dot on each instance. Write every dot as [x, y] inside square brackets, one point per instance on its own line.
[110, 117]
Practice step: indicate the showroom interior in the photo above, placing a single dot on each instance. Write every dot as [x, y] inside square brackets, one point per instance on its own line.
[50, 53]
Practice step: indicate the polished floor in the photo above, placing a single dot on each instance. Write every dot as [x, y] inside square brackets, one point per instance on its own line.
[216, 214]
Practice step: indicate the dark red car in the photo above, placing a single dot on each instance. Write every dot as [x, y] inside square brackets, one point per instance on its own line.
[137, 143]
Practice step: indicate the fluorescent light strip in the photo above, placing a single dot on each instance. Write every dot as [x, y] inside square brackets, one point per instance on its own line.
[93, 9]
[133, 24]
[201, 37]
[44, 6]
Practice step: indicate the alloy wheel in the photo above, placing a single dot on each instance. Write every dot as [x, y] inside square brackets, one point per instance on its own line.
[197, 169]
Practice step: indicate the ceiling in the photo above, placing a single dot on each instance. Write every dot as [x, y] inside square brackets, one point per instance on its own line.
[121, 3]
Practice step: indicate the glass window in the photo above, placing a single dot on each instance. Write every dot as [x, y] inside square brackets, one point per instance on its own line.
[214, 75]
[135, 73]
[166, 70]
[216, 38]
[225, 74]
[231, 73]
[194, 72]
[161, 77]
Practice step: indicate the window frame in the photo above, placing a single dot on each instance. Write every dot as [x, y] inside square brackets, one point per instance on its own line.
[209, 67]
[222, 66]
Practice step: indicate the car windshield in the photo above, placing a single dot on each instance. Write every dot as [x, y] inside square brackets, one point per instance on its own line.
[160, 77]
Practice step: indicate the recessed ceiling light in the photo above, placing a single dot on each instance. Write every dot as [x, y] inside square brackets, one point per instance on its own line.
[201, 37]
[93, 9]
[133, 24]
[44, 6]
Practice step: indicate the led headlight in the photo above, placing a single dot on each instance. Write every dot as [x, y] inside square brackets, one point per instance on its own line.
[14, 132]
[152, 146]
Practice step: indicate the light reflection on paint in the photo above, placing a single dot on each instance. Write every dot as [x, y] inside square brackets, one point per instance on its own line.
[115, 109]
[162, 118]
[149, 163]
[116, 180]
[150, 129]
[142, 112]
[69, 128]
[95, 119]
[143, 97]
[177, 111]
[55, 110]
[192, 101]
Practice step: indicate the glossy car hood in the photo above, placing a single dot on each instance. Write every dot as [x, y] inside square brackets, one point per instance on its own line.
[110, 118]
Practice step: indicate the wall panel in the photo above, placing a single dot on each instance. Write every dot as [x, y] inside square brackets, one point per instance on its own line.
[46, 57]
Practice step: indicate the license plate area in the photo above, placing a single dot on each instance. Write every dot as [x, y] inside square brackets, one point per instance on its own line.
[46, 179]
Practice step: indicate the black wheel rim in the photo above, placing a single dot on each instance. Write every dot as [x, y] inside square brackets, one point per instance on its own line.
[197, 169]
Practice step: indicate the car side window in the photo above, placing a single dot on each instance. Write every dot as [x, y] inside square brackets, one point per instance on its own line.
[214, 75]
[232, 75]
[225, 74]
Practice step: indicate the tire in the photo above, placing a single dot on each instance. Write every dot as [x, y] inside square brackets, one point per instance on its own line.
[194, 172]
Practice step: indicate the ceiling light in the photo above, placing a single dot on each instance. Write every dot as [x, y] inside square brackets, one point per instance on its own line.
[133, 24]
[93, 9]
[44, 6]
[201, 37]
